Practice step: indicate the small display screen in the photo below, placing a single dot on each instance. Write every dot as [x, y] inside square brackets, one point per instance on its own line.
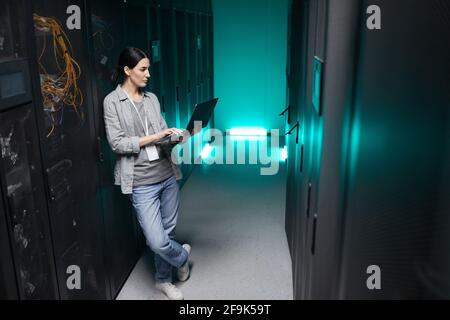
[155, 51]
[317, 85]
[11, 85]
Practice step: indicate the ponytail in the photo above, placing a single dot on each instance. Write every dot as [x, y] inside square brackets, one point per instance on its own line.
[129, 57]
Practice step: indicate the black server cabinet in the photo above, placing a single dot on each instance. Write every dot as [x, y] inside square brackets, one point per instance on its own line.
[383, 185]
[313, 139]
[190, 96]
[136, 25]
[341, 30]
[123, 238]
[26, 248]
[183, 66]
[193, 70]
[24, 199]
[169, 67]
[70, 152]
[307, 37]
[301, 56]
[155, 61]
[316, 232]
[201, 43]
[202, 60]
[60, 211]
[204, 57]
[210, 62]
[210, 57]
[183, 77]
[397, 194]
[285, 113]
[8, 285]
[291, 115]
[205, 50]
[193, 58]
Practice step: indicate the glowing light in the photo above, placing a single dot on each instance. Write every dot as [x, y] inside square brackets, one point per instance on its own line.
[248, 138]
[283, 154]
[248, 132]
[206, 152]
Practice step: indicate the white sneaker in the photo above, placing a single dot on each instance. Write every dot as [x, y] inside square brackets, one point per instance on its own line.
[172, 292]
[183, 272]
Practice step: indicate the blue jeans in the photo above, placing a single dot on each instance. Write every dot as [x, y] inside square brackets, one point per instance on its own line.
[156, 207]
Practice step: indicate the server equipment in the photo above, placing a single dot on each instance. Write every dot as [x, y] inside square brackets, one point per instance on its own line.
[367, 188]
[66, 231]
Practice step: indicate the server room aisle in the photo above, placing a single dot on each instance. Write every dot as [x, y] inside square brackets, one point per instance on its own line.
[234, 219]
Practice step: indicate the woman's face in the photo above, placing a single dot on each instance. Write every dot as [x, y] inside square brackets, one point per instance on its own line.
[140, 74]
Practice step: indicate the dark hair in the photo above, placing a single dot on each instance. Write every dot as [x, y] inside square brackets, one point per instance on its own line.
[129, 57]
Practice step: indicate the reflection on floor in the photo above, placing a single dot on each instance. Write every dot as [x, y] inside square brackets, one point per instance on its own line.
[234, 219]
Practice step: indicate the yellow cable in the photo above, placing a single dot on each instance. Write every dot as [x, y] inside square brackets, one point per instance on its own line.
[64, 89]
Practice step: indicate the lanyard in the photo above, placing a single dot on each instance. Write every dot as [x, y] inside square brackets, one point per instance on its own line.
[139, 115]
[152, 152]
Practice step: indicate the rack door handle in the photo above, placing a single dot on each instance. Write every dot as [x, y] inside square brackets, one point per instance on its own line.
[313, 243]
[297, 126]
[284, 111]
[288, 110]
[308, 201]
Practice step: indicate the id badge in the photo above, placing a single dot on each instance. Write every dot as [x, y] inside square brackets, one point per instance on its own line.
[152, 153]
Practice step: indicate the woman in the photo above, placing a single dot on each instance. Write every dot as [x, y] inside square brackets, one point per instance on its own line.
[144, 169]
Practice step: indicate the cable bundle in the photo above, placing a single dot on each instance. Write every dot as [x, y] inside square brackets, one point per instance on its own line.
[102, 32]
[60, 89]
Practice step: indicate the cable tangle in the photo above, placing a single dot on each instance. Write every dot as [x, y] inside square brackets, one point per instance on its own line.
[61, 89]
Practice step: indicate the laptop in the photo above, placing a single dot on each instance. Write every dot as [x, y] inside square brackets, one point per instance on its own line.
[202, 112]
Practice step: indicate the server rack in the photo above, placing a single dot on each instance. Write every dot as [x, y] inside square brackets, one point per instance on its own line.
[308, 25]
[295, 204]
[69, 143]
[26, 212]
[202, 44]
[210, 58]
[397, 200]
[287, 113]
[123, 238]
[313, 135]
[341, 41]
[136, 26]
[25, 231]
[8, 285]
[73, 219]
[193, 58]
[169, 70]
[155, 37]
[359, 201]
[183, 66]
[183, 77]
[204, 50]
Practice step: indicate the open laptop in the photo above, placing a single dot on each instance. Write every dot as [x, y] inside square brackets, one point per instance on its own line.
[202, 112]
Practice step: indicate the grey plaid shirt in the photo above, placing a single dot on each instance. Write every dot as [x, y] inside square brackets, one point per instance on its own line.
[121, 136]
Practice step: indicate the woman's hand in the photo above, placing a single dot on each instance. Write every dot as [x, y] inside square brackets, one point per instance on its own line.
[167, 132]
[164, 133]
[144, 141]
[184, 137]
